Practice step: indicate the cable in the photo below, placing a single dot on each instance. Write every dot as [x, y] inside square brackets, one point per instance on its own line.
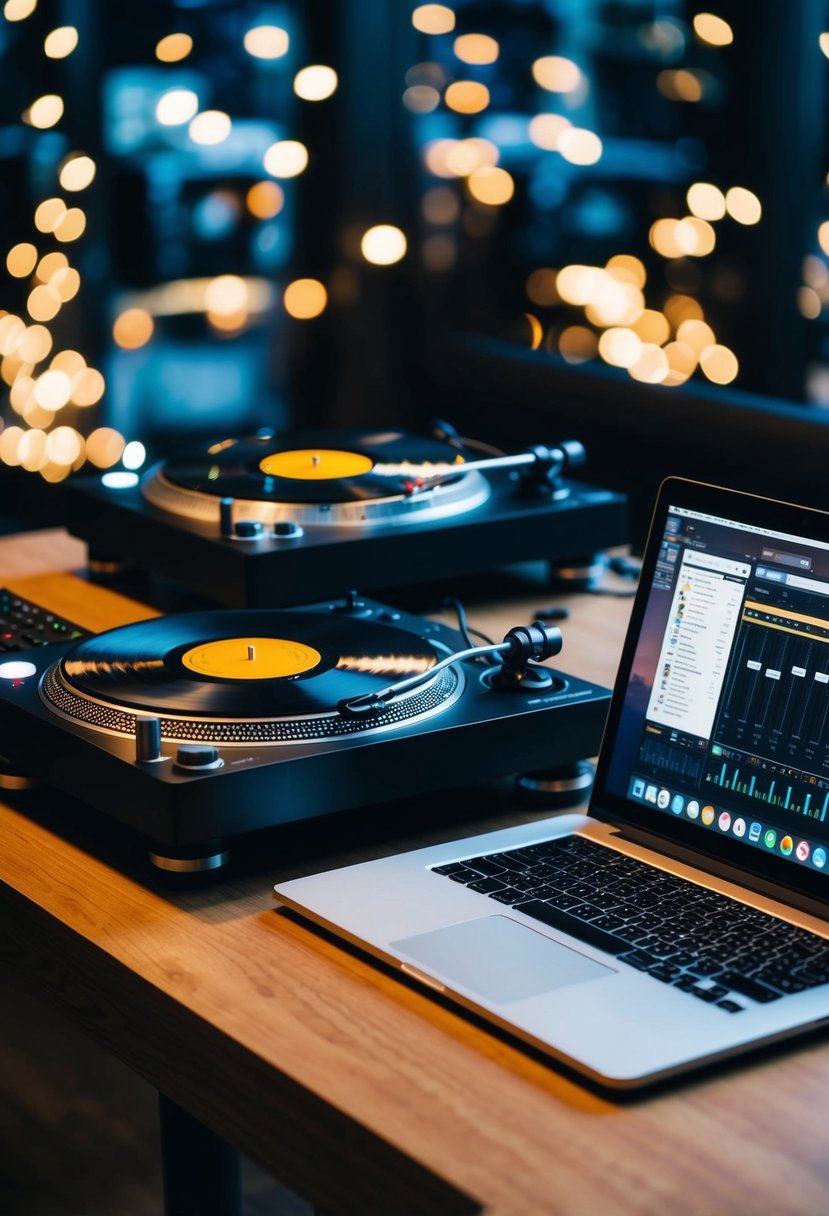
[464, 628]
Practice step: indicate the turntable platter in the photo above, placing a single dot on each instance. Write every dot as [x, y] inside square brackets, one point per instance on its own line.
[256, 676]
[327, 477]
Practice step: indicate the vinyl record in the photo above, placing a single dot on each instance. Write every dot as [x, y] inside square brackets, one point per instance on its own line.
[312, 466]
[237, 665]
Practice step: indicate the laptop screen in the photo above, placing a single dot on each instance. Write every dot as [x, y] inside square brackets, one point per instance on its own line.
[721, 717]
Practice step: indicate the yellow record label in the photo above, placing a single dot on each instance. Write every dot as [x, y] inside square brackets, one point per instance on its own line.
[251, 658]
[315, 464]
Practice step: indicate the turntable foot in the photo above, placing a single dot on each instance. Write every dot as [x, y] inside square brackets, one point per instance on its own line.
[206, 857]
[104, 568]
[555, 788]
[577, 573]
[14, 779]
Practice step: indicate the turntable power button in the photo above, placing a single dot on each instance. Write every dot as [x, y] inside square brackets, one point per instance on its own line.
[196, 757]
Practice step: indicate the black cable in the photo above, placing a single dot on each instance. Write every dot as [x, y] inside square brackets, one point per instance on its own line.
[464, 628]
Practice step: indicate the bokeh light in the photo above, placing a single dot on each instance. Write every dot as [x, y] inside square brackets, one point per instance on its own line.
[45, 112]
[696, 334]
[18, 10]
[267, 42]
[87, 387]
[9, 444]
[491, 185]
[652, 326]
[286, 158]
[21, 260]
[66, 282]
[77, 172]
[60, 42]
[49, 214]
[476, 48]
[210, 127]
[577, 344]
[545, 130]
[104, 447]
[64, 445]
[713, 30]
[31, 450]
[579, 146]
[70, 226]
[227, 295]
[315, 83]
[176, 106]
[305, 299]
[134, 455]
[719, 364]
[556, 74]
[133, 328]
[53, 390]
[743, 205]
[12, 329]
[173, 48]
[467, 97]
[265, 200]
[35, 344]
[620, 347]
[680, 85]
[50, 265]
[541, 287]
[433, 19]
[652, 365]
[706, 201]
[43, 303]
[383, 245]
[421, 99]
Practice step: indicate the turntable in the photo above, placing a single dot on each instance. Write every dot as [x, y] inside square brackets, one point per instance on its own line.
[195, 728]
[273, 520]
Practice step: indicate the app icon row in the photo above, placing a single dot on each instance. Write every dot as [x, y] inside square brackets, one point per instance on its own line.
[735, 825]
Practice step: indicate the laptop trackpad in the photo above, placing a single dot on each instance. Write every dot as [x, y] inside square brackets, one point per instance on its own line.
[500, 959]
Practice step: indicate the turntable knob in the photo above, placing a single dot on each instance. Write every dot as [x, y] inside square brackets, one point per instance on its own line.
[286, 529]
[248, 529]
[196, 757]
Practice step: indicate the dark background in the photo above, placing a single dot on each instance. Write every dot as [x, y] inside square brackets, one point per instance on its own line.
[469, 324]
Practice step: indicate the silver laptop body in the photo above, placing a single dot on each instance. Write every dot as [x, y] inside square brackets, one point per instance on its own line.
[710, 810]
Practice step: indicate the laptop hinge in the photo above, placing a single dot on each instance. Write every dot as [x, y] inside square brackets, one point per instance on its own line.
[733, 874]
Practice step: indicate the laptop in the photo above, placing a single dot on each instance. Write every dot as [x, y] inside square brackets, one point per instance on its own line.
[685, 918]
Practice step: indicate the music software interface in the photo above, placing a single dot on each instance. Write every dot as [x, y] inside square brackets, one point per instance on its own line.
[726, 723]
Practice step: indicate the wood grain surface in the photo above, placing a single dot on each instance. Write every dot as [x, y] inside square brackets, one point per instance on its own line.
[357, 1090]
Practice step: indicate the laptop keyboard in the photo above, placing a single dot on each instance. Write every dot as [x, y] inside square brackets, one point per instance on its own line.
[701, 942]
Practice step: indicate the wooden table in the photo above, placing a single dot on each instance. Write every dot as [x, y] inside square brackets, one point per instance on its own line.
[358, 1091]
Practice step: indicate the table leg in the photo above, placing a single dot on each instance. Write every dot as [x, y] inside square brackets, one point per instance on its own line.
[202, 1173]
